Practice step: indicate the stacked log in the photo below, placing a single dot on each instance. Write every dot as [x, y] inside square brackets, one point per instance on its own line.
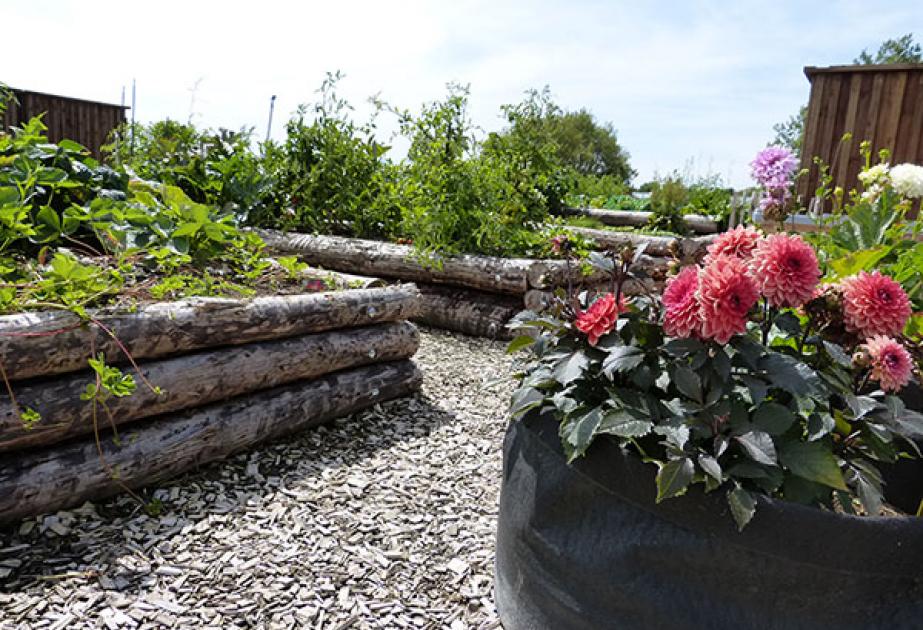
[476, 295]
[630, 218]
[227, 373]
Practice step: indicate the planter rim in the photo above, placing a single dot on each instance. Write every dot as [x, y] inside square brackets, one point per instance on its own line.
[886, 546]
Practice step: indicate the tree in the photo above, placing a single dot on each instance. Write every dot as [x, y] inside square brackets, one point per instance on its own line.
[790, 133]
[900, 50]
[589, 147]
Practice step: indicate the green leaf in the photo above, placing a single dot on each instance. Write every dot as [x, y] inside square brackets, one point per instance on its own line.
[688, 382]
[674, 478]
[812, 461]
[838, 354]
[622, 359]
[819, 425]
[743, 506]
[773, 418]
[570, 368]
[759, 446]
[855, 262]
[788, 322]
[580, 431]
[711, 466]
[790, 374]
[519, 343]
[682, 347]
[524, 399]
[187, 229]
[757, 387]
[624, 424]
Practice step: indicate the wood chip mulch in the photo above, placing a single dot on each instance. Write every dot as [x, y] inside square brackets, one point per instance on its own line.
[385, 519]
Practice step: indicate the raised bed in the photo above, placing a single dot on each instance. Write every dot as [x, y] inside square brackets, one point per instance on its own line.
[472, 294]
[233, 373]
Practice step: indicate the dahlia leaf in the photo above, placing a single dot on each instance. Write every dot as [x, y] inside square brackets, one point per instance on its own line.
[813, 461]
[579, 432]
[759, 446]
[790, 374]
[819, 425]
[743, 506]
[570, 368]
[623, 424]
[674, 478]
[682, 347]
[711, 467]
[688, 382]
[788, 322]
[773, 418]
[837, 353]
[622, 359]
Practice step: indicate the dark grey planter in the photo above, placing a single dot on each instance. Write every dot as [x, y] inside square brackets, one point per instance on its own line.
[585, 546]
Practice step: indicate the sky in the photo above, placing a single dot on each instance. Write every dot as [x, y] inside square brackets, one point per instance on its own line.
[689, 86]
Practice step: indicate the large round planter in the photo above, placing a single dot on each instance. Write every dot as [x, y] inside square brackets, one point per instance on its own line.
[585, 546]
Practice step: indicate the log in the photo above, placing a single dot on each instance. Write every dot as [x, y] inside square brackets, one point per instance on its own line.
[198, 379]
[695, 222]
[536, 299]
[375, 258]
[59, 477]
[48, 343]
[338, 279]
[607, 239]
[467, 311]
[553, 273]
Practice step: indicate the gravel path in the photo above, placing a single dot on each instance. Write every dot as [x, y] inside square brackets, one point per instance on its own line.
[385, 519]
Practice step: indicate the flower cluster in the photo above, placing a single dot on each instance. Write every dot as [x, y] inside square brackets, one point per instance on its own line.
[774, 169]
[715, 301]
[907, 180]
[740, 266]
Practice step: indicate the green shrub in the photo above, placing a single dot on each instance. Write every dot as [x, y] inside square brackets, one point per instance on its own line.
[216, 168]
[668, 196]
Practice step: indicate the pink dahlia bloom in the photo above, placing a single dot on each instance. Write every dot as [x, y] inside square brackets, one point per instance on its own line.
[891, 362]
[785, 270]
[726, 294]
[738, 243]
[600, 318]
[874, 304]
[683, 316]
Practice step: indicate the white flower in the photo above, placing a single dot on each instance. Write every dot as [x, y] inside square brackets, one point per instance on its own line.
[908, 180]
[877, 174]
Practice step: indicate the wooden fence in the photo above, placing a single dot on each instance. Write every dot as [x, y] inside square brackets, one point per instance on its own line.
[882, 104]
[86, 122]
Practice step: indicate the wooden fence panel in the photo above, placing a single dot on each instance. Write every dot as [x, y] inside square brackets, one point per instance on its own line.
[86, 122]
[881, 104]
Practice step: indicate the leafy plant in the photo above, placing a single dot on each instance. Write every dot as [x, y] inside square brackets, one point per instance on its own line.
[740, 381]
[668, 197]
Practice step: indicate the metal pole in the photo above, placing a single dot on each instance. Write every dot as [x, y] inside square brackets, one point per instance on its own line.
[133, 102]
[272, 105]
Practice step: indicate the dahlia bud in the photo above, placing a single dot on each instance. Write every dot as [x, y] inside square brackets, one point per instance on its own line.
[861, 358]
[628, 254]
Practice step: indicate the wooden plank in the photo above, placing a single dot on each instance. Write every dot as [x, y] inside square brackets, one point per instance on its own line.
[848, 147]
[892, 101]
[810, 147]
[874, 111]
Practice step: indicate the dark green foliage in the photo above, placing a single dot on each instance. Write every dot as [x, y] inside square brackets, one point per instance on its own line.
[217, 168]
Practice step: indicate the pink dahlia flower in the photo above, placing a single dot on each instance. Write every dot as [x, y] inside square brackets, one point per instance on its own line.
[683, 316]
[726, 294]
[785, 270]
[874, 304]
[738, 243]
[600, 318]
[891, 362]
